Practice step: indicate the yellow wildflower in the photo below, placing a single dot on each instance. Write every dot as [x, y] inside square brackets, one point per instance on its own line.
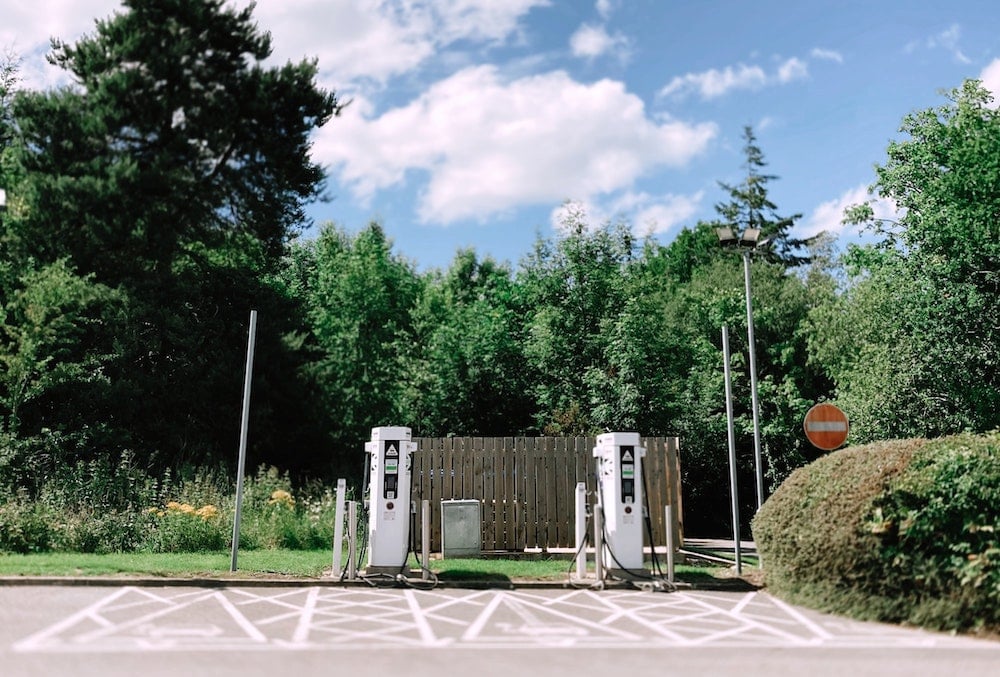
[186, 508]
[281, 497]
[207, 512]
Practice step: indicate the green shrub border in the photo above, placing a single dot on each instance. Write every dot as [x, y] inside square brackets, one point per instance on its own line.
[903, 531]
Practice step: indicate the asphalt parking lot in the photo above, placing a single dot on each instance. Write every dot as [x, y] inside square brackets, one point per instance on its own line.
[310, 629]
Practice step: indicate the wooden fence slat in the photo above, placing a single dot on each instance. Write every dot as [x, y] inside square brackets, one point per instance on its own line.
[527, 475]
[487, 502]
[655, 480]
[557, 463]
[440, 456]
[468, 472]
[495, 484]
[549, 492]
[567, 480]
[520, 494]
[500, 495]
[676, 498]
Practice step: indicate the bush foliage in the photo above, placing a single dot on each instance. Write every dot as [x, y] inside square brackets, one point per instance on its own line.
[99, 508]
[902, 531]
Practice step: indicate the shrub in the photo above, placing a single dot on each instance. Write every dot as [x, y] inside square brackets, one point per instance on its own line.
[26, 526]
[98, 531]
[276, 516]
[903, 531]
[181, 527]
[102, 506]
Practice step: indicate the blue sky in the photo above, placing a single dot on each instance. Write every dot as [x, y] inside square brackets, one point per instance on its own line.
[474, 122]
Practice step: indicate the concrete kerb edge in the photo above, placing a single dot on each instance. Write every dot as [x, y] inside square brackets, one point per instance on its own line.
[267, 582]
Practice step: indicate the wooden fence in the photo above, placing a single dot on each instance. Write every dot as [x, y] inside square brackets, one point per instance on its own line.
[527, 486]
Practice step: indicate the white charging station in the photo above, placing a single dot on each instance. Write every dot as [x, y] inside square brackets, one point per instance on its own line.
[619, 476]
[389, 498]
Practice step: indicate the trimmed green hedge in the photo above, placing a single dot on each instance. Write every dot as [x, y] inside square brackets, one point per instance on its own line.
[902, 531]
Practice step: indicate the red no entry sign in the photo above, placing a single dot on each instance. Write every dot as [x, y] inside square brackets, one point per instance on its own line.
[826, 426]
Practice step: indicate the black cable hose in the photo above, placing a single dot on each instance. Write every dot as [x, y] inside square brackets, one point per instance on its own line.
[649, 522]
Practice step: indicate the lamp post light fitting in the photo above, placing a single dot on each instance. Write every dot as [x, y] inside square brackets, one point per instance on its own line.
[747, 242]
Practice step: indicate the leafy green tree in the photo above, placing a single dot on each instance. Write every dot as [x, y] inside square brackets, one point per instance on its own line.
[10, 67]
[359, 299]
[920, 357]
[171, 101]
[174, 171]
[467, 375]
[573, 289]
[51, 330]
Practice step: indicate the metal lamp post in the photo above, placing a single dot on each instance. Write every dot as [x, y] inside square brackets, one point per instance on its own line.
[747, 243]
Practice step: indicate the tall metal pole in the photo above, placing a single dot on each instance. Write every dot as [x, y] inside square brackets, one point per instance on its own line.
[244, 422]
[733, 488]
[753, 382]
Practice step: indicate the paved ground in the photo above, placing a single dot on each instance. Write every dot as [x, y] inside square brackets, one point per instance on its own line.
[320, 630]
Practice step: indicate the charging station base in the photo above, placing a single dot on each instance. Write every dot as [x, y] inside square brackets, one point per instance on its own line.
[386, 571]
[629, 574]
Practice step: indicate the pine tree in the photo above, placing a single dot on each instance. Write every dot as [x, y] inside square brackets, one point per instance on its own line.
[174, 171]
[750, 207]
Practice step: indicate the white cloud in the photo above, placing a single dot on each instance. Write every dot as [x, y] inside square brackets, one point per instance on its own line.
[792, 69]
[991, 80]
[947, 39]
[828, 216]
[826, 54]
[648, 214]
[605, 7]
[651, 215]
[27, 27]
[714, 83]
[378, 39]
[362, 39]
[488, 145]
[593, 41]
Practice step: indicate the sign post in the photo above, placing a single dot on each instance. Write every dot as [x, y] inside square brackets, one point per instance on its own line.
[826, 426]
[244, 421]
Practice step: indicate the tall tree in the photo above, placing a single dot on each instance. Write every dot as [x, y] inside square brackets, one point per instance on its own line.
[359, 299]
[10, 68]
[174, 169]
[467, 366]
[749, 206]
[174, 133]
[574, 289]
[920, 357]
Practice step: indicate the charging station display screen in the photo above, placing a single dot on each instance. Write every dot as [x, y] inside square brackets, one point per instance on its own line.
[628, 472]
[390, 483]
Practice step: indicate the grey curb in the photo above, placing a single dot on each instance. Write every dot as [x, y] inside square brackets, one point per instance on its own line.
[258, 582]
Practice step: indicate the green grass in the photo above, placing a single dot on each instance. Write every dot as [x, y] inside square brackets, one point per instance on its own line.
[308, 563]
[293, 563]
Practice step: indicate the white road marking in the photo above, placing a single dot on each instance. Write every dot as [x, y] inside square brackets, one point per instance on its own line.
[171, 619]
[306, 618]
